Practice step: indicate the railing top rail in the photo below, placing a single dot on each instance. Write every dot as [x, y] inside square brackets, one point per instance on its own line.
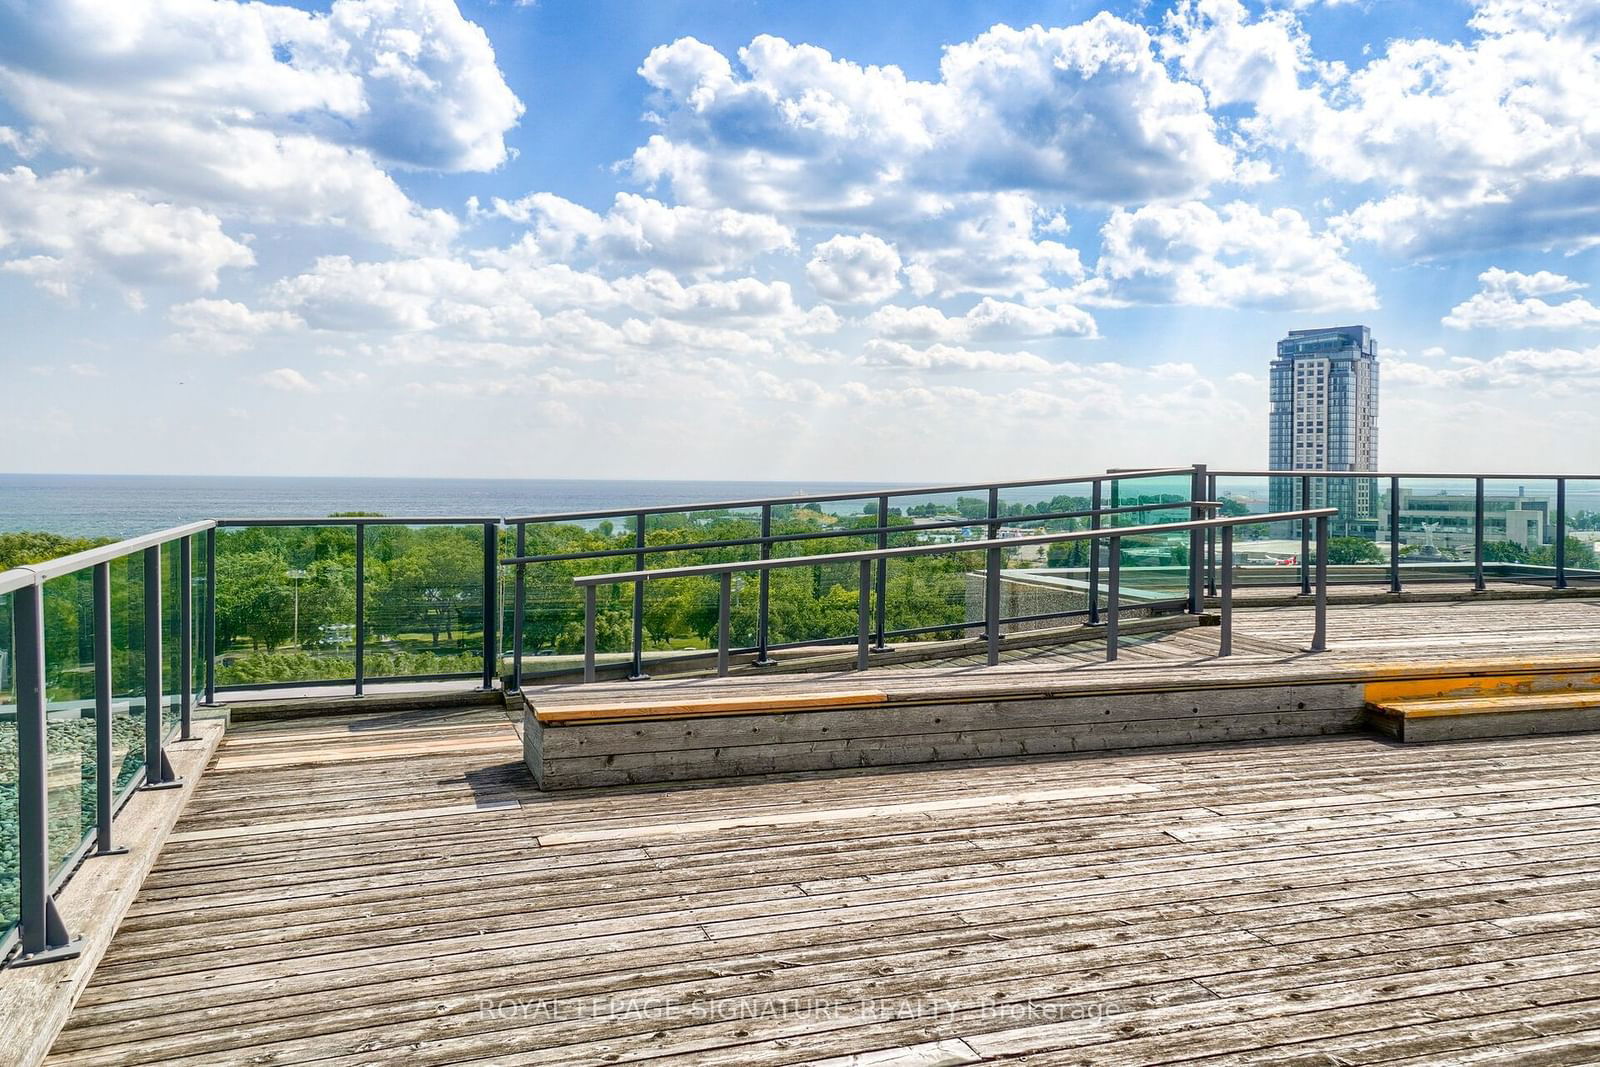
[831, 534]
[1459, 476]
[854, 494]
[11, 581]
[65, 565]
[366, 520]
[867, 555]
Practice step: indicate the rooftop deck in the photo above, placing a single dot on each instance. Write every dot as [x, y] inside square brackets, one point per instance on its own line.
[391, 888]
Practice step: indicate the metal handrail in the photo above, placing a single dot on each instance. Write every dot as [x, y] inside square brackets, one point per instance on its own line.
[366, 520]
[993, 546]
[994, 520]
[16, 579]
[1398, 474]
[854, 494]
[82, 561]
[860, 531]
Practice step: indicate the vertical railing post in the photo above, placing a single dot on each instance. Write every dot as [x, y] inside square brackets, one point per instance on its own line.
[991, 605]
[1225, 605]
[104, 774]
[361, 609]
[636, 674]
[991, 596]
[864, 616]
[518, 620]
[1319, 635]
[1561, 533]
[1211, 540]
[724, 611]
[1197, 541]
[210, 622]
[1477, 536]
[186, 638]
[158, 772]
[764, 592]
[1113, 595]
[588, 633]
[1394, 535]
[1305, 536]
[44, 936]
[1094, 554]
[883, 575]
[491, 604]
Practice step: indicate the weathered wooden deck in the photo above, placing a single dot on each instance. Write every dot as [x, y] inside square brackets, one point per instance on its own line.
[391, 889]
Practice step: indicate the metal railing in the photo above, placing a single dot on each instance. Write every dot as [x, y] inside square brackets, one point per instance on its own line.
[994, 518]
[39, 929]
[489, 587]
[1301, 482]
[724, 572]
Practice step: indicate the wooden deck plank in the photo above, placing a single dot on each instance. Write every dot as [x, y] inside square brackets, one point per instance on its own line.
[352, 890]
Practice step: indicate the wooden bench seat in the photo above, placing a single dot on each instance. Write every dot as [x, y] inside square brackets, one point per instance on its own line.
[1499, 715]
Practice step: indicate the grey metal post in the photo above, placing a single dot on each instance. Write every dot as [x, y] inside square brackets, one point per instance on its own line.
[103, 771]
[763, 595]
[588, 633]
[210, 622]
[1225, 609]
[1211, 541]
[518, 621]
[1561, 533]
[1319, 636]
[1477, 536]
[883, 574]
[1094, 555]
[1394, 535]
[186, 638]
[724, 610]
[1305, 536]
[991, 605]
[44, 936]
[158, 772]
[491, 604]
[361, 608]
[1113, 595]
[864, 616]
[637, 673]
[1197, 541]
[991, 623]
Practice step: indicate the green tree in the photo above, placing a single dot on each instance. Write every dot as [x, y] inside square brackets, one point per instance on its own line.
[1353, 550]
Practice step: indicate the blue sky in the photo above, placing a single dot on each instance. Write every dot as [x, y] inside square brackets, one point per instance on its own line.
[746, 240]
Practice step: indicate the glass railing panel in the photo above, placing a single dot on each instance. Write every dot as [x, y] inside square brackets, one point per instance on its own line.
[1358, 542]
[286, 604]
[69, 714]
[424, 600]
[552, 636]
[127, 671]
[818, 603]
[172, 596]
[1154, 566]
[680, 614]
[934, 594]
[1583, 532]
[1436, 530]
[9, 902]
[1264, 554]
[1519, 531]
[922, 592]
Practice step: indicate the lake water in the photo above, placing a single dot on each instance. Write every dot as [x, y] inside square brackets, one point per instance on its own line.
[124, 505]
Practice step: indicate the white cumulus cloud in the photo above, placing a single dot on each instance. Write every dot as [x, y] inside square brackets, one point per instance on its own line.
[1239, 257]
[860, 269]
[1511, 300]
